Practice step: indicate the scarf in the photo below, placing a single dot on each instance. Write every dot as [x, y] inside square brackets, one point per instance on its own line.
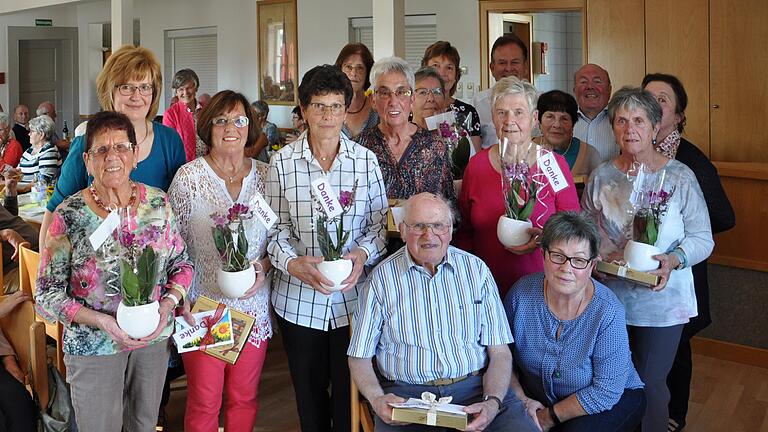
[668, 147]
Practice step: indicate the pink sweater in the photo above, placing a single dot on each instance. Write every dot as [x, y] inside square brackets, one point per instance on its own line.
[179, 117]
[481, 204]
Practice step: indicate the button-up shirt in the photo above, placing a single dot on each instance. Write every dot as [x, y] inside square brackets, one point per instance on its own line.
[598, 133]
[422, 327]
[291, 172]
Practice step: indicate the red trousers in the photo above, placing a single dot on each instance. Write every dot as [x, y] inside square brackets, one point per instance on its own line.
[209, 378]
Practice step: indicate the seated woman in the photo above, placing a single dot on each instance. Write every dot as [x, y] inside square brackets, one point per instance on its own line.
[41, 159]
[10, 149]
[558, 112]
[573, 365]
[116, 381]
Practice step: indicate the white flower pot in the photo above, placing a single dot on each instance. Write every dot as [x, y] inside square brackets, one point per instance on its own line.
[335, 271]
[513, 232]
[138, 321]
[638, 256]
[235, 284]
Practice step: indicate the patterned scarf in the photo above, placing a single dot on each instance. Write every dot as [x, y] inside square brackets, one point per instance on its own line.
[669, 146]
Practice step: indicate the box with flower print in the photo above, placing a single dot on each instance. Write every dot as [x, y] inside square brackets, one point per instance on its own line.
[192, 338]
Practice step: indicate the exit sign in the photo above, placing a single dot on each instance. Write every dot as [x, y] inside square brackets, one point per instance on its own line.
[44, 22]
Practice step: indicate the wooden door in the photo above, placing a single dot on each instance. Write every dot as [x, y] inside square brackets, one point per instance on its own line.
[616, 39]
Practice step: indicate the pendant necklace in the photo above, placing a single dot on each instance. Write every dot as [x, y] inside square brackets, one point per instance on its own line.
[230, 179]
[557, 372]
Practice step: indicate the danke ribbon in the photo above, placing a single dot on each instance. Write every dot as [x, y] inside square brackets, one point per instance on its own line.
[433, 402]
[209, 322]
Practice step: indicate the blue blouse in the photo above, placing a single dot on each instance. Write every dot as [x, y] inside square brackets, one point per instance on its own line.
[591, 359]
[157, 170]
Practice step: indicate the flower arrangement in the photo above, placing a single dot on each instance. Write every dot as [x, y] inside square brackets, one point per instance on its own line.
[519, 190]
[456, 140]
[332, 249]
[647, 218]
[139, 262]
[229, 238]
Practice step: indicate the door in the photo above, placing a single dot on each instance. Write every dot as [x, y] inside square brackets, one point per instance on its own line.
[39, 62]
[500, 24]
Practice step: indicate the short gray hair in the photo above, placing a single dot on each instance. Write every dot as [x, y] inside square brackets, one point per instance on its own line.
[566, 226]
[42, 109]
[428, 72]
[631, 98]
[44, 125]
[184, 76]
[392, 64]
[406, 205]
[513, 85]
[5, 119]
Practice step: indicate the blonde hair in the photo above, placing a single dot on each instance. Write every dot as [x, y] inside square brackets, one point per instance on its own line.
[128, 63]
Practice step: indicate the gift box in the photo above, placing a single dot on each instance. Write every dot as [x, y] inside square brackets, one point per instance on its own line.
[430, 412]
[242, 324]
[627, 273]
[193, 338]
[394, 217]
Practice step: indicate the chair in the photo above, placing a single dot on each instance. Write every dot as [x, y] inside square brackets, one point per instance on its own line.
[27, 337]
[29, 261]
[38, 357]
[361, 410]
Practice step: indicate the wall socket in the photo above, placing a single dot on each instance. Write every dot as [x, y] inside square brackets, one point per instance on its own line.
[470, 90]
[459, 91]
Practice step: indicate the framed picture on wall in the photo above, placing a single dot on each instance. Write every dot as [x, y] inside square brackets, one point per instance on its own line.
[278, 66]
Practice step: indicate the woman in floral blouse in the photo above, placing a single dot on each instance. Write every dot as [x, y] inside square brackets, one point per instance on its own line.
[116, 381]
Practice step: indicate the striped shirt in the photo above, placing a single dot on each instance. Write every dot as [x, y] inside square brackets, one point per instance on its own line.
[46, 163]
[598, 133]
[291, 172]
[422, 327]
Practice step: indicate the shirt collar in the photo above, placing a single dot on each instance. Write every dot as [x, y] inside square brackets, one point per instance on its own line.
[302, 151]
[582, 116]
[448, 262]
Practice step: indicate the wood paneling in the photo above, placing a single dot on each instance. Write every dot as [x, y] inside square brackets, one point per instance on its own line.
[730, 351]
[739, 60]
[616, 39]
[677, 43]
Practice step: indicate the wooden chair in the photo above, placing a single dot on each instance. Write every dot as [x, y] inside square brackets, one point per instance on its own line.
[361, 410]
[29, 261]
[38, 357]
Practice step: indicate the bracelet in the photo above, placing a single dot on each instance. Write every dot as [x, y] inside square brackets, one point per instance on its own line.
[553, 415]
[493, 398]
[172, 297]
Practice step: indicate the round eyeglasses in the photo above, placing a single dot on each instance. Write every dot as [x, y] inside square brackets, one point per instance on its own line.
[239, 121]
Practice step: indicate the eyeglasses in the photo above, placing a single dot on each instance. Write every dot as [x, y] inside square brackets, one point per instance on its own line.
[349, 68]
[576, 262]
[438, 228]
[424, 92]
[386, 93]
[119, 148]
[320, 108]
[239, 121]
[129, 89]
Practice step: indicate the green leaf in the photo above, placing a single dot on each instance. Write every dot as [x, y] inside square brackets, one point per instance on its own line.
[129, 284]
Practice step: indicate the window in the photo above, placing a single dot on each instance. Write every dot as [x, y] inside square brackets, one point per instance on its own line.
[192, 49]
[420, 32]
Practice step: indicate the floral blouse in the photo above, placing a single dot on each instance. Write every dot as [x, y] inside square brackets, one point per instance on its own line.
[424, 166]
[72, 275]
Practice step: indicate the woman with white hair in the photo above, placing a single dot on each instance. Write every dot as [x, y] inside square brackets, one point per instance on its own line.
[482, 202]
[10, 149]
[42, 157]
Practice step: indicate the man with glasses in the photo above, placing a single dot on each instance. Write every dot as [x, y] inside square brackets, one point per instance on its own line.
[432, 316]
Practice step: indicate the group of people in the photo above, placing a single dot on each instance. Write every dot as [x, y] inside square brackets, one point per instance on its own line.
[528, 337]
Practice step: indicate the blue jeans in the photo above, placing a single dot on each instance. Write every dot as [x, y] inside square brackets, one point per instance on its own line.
[511, 417]
[623, 417]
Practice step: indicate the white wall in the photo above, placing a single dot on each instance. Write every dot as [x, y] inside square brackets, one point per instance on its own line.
[562, 32]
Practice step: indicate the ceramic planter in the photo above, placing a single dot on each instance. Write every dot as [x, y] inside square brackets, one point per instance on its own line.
[235, 284]
[335, 271]
[513, 232]
[638, 256]
[138, 321]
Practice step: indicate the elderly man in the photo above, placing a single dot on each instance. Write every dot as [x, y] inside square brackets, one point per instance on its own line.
[432, 316]
[592, 88]
[509, 56]
[20, 127]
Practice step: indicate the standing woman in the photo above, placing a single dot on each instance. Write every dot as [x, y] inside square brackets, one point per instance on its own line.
[356, 60]
[314, 321]
[41, 159]
[182, 116]
[129, 83]
[671, 96]
[213, 184]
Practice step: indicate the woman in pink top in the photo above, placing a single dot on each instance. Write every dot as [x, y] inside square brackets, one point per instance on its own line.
[182, 115]
[481, 201]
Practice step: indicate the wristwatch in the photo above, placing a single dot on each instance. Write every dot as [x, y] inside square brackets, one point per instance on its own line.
[493, 398]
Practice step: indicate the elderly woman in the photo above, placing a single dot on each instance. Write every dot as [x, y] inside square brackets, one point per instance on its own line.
[208, 185]
[411, 161]
[314, 321]
[428, 96]
[444, 57]
[655, 315]
[356, 60]
[671, 96]
[298, 124]
[482, 201]
[558, 111]
[10, 149]
[182, 115]
[41, 160]
[129, 83]
[116, 381]
[269, 137]
[571, 353]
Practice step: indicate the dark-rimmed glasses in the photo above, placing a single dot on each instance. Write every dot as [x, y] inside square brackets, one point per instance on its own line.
[576, 262]
[424, 92]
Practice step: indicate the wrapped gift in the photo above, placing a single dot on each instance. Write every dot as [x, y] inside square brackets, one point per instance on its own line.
[430, 411]
[242, 324]
[212, 329]
[394, 217]
[627, 273]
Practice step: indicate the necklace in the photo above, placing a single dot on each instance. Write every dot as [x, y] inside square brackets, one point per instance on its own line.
[365, 101]
[146, 134]
[231, 179]
[100, 203]
[566, 150]
[557, 372]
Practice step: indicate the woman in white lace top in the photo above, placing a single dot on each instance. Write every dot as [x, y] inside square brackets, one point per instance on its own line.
[208, 185]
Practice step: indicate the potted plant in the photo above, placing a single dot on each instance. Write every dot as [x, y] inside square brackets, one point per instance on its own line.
[519, 188]
[651, 207]
[335, 268]
[236, 274]
[137, 314]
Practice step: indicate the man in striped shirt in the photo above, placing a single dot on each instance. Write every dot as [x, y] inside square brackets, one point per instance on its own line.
[432, 316]
[592, 88]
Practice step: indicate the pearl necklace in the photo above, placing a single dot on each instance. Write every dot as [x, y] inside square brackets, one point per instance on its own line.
[100, 204]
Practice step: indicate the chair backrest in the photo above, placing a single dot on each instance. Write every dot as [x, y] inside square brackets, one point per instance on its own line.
[29, 261]
[16, 326]
[39, 362]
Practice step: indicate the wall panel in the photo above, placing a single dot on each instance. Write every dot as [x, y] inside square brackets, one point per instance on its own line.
[616, 39]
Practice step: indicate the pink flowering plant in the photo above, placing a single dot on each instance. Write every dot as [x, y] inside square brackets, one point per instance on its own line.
[229, 237]
[647, 218]
[333, 249]
[139, 262]
[519, 190]
[457, 141]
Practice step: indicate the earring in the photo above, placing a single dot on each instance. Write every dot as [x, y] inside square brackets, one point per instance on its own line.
[653, 142]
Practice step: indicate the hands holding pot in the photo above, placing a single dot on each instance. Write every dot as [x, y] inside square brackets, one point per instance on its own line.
[261, 266]
[108, 323]
[668, 262]
[304, 268]
[358, 256]
[529, 247]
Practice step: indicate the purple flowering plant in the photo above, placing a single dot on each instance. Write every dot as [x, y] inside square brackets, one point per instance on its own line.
[519, 190]
[647, 219]
[333, 250]
[139, 262]
[457, 142]
[229, 237]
